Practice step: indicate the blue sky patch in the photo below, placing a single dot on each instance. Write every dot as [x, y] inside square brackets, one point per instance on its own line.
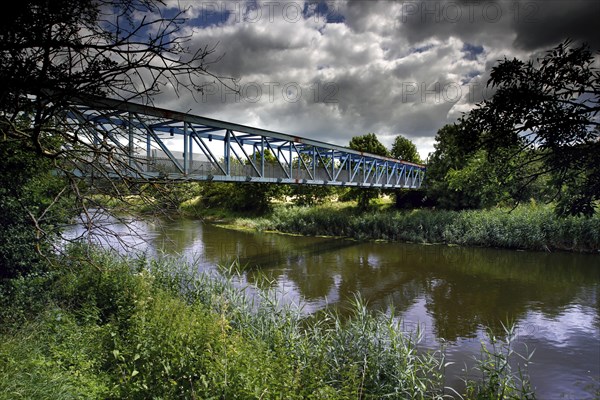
[471, 51]
[323, 9]
[421, 49]
[211, 13]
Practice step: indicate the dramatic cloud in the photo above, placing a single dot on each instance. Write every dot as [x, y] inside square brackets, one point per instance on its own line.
[333, 70]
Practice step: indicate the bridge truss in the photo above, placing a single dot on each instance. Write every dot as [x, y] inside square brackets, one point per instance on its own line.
[151, 143]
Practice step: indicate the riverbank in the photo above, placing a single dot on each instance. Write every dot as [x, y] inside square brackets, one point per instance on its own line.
[99, 327]
[527, 227]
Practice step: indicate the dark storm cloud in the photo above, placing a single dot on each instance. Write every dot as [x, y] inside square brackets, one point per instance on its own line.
[543, 24]
[331, 70]
[474, 22]
[525, 24]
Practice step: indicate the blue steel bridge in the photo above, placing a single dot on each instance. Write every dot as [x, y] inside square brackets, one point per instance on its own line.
[134, 141]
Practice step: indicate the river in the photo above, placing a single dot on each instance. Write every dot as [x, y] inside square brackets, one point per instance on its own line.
[454, 295]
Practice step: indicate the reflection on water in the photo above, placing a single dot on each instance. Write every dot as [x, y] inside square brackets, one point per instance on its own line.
[451, 293]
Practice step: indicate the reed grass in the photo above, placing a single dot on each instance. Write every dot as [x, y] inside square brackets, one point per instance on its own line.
[140, 329]
[530, 227]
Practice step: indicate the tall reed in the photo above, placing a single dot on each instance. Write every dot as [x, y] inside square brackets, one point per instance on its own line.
[526, 227]
[140, 329]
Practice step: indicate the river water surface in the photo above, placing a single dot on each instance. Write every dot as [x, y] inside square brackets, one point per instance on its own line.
[454, 295]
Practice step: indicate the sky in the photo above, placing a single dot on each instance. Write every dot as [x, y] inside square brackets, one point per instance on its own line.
[331, 70]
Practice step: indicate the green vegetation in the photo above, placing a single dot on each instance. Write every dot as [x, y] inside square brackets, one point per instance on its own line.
[404, 149]
[531, 227]
[31, 209]
[462, 176]
[226, 199]
[538, 130]
[498, 380]
[40, 157]
[103, 327]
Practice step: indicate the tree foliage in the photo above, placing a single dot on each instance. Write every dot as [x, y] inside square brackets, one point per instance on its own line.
[461, 175]
[546, 113]
[404, 149]
[309, 195]
[239, 197]
[242, 196]
[369, 144]
[32, 206]
[452, 152]
[268, 156]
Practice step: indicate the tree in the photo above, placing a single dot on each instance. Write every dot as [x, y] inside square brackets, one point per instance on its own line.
[405, 150]
[53, 51]
[308, 195]
[461, 175]
[269, 157]
[243, 197]
[453, 149]
[369, 144]
[119, 48]
[546, 112]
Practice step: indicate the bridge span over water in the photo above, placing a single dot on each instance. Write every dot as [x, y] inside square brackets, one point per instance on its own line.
[142, 142]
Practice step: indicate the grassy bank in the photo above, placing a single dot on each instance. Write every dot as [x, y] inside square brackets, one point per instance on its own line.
[531, 227]
[111, 328]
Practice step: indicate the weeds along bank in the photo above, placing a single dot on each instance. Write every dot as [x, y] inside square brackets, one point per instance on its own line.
[526, 227]
[111, 328]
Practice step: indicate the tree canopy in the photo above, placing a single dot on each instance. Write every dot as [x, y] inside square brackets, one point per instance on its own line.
[370, 144]
[545, 113]
[405, 149]
[451, 153]
[536, 137]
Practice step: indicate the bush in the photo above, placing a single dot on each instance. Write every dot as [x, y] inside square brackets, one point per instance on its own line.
[31, 208]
